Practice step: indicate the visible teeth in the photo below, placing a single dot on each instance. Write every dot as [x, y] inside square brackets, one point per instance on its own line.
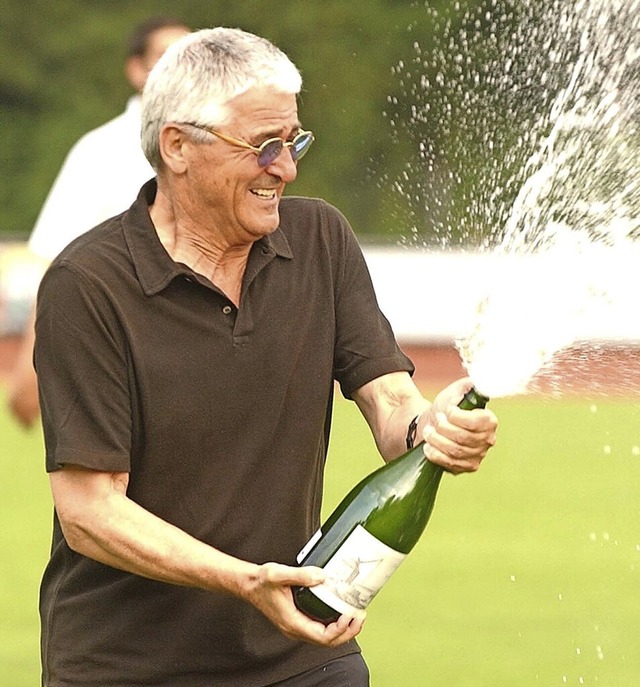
[263, 192]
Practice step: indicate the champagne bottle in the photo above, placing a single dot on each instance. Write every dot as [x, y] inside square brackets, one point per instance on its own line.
[371, 532]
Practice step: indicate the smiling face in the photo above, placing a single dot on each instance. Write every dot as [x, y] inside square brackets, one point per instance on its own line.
[226, 185]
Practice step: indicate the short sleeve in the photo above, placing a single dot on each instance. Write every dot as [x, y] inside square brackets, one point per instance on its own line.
[365, 347]
[81, 363]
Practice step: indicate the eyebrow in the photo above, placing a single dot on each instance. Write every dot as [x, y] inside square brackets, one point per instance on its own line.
[276, 133]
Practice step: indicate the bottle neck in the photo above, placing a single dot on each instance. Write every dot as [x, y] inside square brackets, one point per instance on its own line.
[473, 399]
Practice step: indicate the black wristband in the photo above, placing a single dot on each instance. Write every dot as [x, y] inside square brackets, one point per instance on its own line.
[412, 431]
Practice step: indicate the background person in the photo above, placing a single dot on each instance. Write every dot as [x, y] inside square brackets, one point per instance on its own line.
[186, 354]
[108, 158]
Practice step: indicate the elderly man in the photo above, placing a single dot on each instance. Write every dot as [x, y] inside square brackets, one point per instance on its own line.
[186, 352]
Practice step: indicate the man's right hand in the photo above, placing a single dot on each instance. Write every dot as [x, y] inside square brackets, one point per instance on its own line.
[271, 594]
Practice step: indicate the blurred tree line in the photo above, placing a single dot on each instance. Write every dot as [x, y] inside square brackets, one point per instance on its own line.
[364, 66]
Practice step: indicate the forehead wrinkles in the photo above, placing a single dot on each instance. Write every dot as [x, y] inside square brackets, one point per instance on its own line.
[262, 109]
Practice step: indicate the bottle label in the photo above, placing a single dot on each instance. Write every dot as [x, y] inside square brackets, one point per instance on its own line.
[356, 572]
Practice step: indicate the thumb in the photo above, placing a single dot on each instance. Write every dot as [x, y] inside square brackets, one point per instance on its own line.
[307, 576]
[313, 575]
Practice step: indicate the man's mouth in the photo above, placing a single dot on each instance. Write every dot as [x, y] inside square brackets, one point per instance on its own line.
[266, 193]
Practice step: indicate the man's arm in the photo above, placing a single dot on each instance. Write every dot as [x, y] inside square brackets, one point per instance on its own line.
[456, 439]
[100, 521]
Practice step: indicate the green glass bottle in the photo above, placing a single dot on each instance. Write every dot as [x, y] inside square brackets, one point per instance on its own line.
[371, 531]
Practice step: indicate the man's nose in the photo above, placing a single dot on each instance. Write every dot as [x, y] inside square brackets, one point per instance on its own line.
[287, 168]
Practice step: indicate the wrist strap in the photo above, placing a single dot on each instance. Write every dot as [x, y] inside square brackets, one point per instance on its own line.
[412, 431]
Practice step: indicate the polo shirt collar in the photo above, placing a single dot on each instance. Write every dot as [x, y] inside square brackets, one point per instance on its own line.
[153, 265]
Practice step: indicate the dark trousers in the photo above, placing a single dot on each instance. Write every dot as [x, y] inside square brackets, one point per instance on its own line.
[348, 671]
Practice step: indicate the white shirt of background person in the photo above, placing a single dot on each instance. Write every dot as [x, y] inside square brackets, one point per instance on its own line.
[100, 178]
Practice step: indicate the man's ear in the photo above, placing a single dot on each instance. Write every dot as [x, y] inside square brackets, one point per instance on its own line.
[172, 144]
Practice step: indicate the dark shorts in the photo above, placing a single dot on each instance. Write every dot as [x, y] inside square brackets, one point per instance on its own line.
[348, 671]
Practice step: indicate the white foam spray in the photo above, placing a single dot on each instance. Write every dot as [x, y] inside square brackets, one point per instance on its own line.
[537, 304]
[568, 247]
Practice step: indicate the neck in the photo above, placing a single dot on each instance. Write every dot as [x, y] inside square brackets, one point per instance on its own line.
[200, 247]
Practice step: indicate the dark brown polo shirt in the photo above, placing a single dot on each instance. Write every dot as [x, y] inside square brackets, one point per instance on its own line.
[220, 415]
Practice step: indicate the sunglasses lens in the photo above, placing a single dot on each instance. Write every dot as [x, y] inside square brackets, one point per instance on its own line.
[301, 143]
[270, 152]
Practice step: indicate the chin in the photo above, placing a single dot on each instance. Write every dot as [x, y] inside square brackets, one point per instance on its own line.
[267, 226]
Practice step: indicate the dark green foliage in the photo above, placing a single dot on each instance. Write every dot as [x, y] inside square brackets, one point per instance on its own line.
[62, 75]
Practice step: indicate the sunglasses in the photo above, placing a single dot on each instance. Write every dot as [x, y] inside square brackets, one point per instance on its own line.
[269, 150]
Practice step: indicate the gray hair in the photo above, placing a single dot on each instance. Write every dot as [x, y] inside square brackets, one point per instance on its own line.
[200, 74]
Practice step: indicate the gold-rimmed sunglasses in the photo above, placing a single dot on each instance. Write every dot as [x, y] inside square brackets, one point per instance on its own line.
[269, 150]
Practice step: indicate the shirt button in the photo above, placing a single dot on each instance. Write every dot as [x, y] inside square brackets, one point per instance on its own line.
[227, 309]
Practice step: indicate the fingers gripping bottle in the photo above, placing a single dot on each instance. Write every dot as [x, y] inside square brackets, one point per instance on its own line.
[371, 532]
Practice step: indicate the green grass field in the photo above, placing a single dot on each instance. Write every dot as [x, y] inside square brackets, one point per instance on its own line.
[527, 575]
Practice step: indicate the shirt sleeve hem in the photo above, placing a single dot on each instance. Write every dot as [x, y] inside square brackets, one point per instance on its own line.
[92, 460]
[373, 369]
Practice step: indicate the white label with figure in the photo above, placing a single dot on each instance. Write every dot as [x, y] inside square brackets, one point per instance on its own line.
[356, 572]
